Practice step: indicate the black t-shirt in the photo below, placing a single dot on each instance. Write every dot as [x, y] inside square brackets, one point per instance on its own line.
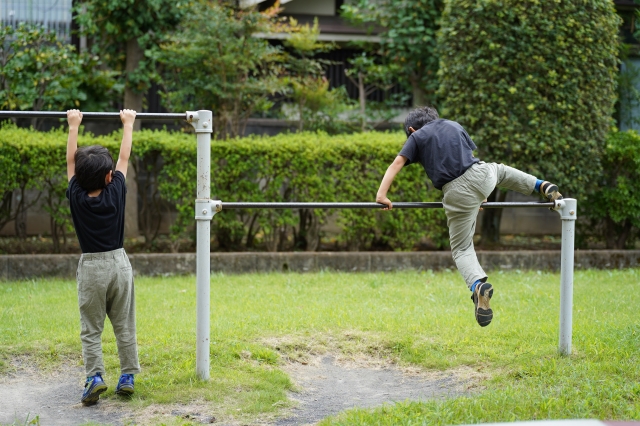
[99, 221]
[444, 149]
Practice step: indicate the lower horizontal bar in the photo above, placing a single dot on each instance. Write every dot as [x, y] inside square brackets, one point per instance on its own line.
[92, 115]
[399, 205]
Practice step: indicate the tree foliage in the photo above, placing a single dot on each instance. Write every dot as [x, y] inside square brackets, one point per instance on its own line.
[408, 41]
[370, 73]
[213, 61]
[613, 208]
[38, 72]
[534, 83]
[316, 103]
[114, 24]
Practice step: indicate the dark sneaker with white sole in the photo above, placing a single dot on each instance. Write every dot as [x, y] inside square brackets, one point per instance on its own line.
[93, 387]
[481, 297]
[550, 191]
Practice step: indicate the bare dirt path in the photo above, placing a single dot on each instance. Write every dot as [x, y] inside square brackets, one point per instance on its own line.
[54, 399]
[325, 386]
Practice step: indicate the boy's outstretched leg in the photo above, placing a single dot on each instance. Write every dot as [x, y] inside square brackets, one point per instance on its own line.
[481, 294]
[516, 180]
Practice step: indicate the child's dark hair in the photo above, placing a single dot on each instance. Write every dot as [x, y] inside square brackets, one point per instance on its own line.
[93, 163]
[419, 117]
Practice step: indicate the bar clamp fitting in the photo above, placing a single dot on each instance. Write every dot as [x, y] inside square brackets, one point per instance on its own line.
[201, 120]
[206, 209]
[567, 208]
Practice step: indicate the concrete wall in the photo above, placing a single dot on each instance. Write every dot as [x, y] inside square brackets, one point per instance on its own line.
[21, 267]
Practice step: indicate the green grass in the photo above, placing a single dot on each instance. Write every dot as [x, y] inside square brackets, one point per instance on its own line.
[423, 319]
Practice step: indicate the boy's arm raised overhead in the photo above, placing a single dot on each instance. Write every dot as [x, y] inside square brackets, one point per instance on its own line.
[128, 116]
[74, 118]
[391, 173]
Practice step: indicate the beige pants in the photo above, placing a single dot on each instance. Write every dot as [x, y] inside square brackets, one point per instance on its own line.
[105, 288]
[462, 199]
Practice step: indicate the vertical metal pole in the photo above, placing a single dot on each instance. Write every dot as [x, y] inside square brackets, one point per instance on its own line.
[568, 213]
[202, 122]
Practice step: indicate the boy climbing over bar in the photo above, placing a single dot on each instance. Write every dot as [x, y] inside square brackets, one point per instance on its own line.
[445, 150]
[97, 194]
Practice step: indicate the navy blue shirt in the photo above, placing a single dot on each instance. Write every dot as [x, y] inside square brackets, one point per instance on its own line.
[444, 149]
[99, 221]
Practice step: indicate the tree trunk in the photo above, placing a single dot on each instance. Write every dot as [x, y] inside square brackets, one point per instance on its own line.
[21, 215]
[363, 101]
[307, 237]
[5, 208]
[419, 95]
[301, 121]
[491, 219]
[132, 100]
[54, 235]
[617, 235]
[250, 231]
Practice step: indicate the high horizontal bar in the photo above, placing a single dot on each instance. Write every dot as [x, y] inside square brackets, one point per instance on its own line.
[93, 115]
[399, 205]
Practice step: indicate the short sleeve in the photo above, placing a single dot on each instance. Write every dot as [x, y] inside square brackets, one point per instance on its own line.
[70, 188]
[410, 150]
[119, 181]
[470, 143]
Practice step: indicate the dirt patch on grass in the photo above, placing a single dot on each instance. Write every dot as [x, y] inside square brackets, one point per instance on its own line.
[326, 384]
[53, 398]
[357, 369]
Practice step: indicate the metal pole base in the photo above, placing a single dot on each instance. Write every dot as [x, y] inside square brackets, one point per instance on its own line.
[567, 209]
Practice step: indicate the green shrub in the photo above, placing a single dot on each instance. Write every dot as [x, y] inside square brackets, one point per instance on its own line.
[613, 210]
[34, 161]
[533, 82]
[292, 167]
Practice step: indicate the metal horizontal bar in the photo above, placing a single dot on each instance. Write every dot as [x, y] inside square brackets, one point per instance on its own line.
[92, 115]
[399, 205]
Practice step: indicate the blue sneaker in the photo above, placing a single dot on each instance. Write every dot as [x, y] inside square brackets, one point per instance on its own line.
[125, 385]
[93, 387]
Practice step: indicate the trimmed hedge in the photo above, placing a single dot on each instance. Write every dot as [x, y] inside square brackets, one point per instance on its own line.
[289, 167]
[533, 82]
[614, 208]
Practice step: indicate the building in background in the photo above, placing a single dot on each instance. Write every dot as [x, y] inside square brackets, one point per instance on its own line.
[54, 15]
[333, 28]
[628, 114]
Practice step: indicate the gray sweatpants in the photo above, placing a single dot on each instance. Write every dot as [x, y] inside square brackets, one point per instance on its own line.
[105, 287]
[462, 199]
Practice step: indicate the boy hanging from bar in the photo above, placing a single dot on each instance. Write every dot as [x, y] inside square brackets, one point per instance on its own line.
[445, 150]
[97, 194]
